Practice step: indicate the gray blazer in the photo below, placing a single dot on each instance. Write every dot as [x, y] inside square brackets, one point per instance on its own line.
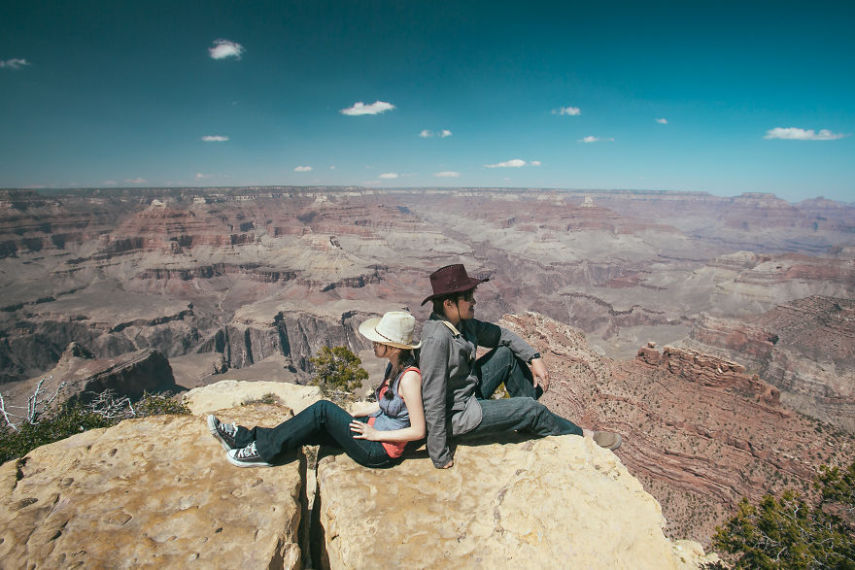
[447, 362]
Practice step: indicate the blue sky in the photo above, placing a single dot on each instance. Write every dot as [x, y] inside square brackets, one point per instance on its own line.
[715, 96]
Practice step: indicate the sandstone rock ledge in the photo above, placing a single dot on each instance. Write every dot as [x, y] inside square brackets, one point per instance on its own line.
[557, 502]
[158, 492]
[152, 492]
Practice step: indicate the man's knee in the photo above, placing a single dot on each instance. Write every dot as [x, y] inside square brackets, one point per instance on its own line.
[503, 356]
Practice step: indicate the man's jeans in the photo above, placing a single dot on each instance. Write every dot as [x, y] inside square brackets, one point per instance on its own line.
[526, 415]
[501, 365]
[322, 423]
[521, 412]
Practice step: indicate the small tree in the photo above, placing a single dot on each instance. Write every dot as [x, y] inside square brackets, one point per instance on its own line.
[790, 532]
[338, 372]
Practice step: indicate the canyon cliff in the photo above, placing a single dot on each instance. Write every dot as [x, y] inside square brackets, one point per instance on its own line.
[124, 497]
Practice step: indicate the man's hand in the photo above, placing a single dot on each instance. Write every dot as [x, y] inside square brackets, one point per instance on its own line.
[539, 374]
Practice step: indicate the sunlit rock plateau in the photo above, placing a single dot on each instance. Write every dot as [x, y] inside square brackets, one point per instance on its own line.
[249, 283]
[159, 492]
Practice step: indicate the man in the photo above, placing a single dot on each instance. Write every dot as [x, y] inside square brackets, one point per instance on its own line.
[456, 387]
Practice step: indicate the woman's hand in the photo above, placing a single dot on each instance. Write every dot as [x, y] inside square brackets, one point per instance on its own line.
[364, 431]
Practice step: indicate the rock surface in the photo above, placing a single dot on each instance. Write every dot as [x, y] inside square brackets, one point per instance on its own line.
[232, 393]
[157, 492]
[154, 492]
[557, 502]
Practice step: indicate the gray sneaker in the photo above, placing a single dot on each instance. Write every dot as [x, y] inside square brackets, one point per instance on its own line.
[246, 457]
[225, 433]
[607, 439]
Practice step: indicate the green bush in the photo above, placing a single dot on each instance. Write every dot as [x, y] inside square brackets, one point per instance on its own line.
[791, 532]
[159, 404]
[268, 398]
[72, 418]
[338, 372]
[68, 421]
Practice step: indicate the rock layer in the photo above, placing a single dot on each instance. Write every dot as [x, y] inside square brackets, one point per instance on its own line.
[805, 348]
[699, 431]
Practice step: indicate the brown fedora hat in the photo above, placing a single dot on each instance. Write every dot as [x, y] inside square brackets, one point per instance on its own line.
[451, 279]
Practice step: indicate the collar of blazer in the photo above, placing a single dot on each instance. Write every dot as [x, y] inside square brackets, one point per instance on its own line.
[451, 327]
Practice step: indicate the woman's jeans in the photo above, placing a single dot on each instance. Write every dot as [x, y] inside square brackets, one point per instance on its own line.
[322, 423]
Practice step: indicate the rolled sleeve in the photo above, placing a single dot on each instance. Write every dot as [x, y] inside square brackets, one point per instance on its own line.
[491, 336]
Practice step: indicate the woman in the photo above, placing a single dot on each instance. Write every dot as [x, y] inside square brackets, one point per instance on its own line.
[396, 418]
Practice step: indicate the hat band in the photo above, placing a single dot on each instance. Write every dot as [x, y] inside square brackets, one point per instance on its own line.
[389, 339]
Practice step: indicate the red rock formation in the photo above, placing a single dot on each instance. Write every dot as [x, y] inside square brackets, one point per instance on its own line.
[806, 348]
[698, 431]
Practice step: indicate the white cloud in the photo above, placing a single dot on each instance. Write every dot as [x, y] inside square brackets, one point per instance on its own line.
[662, 121]
[513, 163]
[215, 138]
[202, 176]
[389, 175]
[447, 174]
[571, 111]
[534, 163]
[590, 139]
[303, 169]
[14, 63]
[332, 167]
[225, 48]
[138, 180]
[793, 133]
[360, 108]
[426, 134]
[109, 183]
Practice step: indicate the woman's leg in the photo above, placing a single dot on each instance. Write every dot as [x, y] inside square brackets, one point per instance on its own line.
[321, 423]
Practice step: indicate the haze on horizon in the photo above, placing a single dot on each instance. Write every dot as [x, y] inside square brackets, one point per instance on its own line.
[721, 97]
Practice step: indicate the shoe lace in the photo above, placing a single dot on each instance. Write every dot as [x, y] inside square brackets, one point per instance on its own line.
[247, 452]
[228, 429]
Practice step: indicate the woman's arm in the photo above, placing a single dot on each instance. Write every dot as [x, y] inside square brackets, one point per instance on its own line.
[410, 388]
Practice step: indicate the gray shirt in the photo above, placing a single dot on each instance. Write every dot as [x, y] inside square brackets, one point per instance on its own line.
[447, 362]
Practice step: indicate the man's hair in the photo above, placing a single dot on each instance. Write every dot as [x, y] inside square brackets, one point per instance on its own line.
[439, 302]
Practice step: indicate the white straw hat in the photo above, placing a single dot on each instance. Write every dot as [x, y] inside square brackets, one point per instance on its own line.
[395, 328]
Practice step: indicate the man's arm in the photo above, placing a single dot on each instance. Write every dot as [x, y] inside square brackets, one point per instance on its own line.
[433, 362]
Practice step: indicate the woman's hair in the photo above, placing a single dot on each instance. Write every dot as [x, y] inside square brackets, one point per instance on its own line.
[406, 359]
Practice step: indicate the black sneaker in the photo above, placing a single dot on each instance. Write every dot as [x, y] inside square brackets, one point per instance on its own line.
[246, 457]
[225, 433]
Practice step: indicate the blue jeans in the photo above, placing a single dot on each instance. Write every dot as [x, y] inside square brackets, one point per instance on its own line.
[525, 415]
[322, 423]
[501, 365]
